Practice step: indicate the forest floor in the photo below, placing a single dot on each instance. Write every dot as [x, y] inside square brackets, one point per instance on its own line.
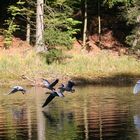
[81, 70]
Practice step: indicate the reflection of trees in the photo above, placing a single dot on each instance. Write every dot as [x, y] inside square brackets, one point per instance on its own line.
[53, 122]
[59, 125]
[29, 123]
[137, 123]
[40, 118]
[24, 119]
[17, 118]
[16, 122]
[89, 113]
[107, 114]
[86, 118]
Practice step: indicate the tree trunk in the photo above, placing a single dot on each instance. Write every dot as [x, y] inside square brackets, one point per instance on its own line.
[99, 23]
[28, 30]
[39, 26]
[85, 24]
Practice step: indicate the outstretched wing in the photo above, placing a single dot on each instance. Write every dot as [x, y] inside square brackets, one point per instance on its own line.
[54, 83]
[46, 83]
[13, 91]
[49, 99]
[136, 88]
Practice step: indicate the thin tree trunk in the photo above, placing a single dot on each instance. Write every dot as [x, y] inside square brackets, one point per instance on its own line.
[85, 24]
[99, 23]
[40, 26]
[28, 30]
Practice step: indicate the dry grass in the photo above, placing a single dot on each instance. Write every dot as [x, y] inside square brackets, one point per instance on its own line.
[80, 65]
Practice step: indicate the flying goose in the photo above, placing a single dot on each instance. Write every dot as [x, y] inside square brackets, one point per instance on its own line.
[52, 95]
[68, 87]
[49, 85]
[16, 89]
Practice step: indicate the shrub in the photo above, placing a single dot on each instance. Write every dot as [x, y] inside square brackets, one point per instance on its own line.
[54, 37]
[53, 55]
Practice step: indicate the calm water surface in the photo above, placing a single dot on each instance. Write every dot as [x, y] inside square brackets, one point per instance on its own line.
[91, 113]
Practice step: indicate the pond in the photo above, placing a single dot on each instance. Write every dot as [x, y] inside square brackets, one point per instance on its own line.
[91, 113]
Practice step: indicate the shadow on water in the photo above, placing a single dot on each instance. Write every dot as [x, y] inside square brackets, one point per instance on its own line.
[49, 117]
[115, 80]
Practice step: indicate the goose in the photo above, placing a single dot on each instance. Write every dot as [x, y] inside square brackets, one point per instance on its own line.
[136, 88]
[52, 95]
[68, 87]
[16, 89]
[49, 85]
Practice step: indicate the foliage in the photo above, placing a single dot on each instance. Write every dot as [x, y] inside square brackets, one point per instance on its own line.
[16, 10]
[12, 26]
[54, 55]
[130, 12]
[132, 16]
[54, 37]
[60, 26]
[111, 3]
[8, 33]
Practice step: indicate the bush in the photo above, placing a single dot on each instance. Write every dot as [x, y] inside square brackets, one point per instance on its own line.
[53, 55]
[54, 37]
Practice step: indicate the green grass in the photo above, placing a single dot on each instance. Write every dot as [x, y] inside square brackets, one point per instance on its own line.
[80, 65]
[103, 64]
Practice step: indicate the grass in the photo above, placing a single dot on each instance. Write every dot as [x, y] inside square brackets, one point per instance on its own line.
[103, 64]
[80, 66]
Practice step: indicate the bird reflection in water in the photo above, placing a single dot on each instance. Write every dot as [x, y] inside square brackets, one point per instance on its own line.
[18, 114]
[60, 119]
[49, 117]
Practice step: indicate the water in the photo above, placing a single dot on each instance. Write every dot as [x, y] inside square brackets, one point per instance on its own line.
[91, 113]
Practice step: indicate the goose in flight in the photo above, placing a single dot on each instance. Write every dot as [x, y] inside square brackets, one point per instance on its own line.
[49, 85]
[16, 89]
[68, 87]
[136, 88]
[52, 95]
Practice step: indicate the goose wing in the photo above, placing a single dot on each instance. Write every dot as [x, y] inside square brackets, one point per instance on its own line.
[136, 88]
[49, 99]
[54, 83]
[46, 82]
[15, 89]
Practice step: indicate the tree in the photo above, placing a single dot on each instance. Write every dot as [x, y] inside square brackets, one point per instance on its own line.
[132, 16]
[60, 26]
[131, 13]
[29, 15]
[85, 24]
[40, 26]
[20, 12]
[14, 10]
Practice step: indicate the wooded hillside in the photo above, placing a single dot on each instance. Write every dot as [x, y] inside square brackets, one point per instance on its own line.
[99, 24]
